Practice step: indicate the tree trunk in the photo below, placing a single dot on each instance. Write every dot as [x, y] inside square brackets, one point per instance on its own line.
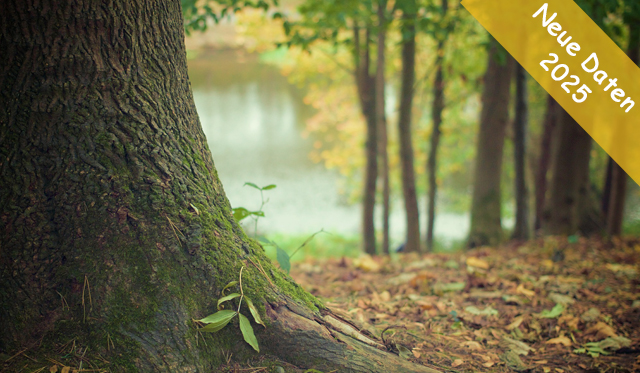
[614, 212]
[569, 191]
[549, 125]
[436, 115]
[404, 127]
[521, 229]
[486, 225]
[382, 124]
[116, 231]
[366, 85]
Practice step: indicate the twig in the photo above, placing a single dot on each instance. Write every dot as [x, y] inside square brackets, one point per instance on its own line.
[17, 354]
[259, 267]
[241, 291]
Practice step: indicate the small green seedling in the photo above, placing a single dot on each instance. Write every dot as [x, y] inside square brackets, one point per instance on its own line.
[240, 213]
[283, 258]
[220, 319]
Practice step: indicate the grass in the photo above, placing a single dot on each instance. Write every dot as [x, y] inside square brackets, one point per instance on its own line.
[331, 245]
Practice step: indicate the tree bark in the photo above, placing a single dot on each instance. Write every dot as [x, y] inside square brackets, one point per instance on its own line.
[614, 212]
[569, 192]
[404, 126]
[436, 116]
[549, 125]
[116, 231]
[366, 86]
[382, 124]
[486, 225]
[521, 228]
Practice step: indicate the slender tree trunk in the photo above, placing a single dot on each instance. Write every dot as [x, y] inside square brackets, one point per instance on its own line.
[436, 116]
[404, 126]
[382, 124]
[366, 93]
[549, 125]
[486, 225]
[521, 229]
[615, 207]
[115, 230]
[569, 192]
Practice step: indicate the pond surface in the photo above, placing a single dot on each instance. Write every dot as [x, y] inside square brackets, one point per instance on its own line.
[254, 120]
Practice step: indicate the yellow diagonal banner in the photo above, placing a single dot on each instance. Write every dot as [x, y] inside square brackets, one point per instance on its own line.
[577, 63]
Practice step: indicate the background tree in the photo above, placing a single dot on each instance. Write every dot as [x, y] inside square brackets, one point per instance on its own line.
[408, 29]
[382, 122]
[616, 183]
[486, 224]
[521, 228]
[116, 230]
[437, 108]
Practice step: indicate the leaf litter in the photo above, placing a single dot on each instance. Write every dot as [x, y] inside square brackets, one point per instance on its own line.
[495, 309]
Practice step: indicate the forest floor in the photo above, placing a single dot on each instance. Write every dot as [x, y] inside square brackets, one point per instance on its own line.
[544, 306]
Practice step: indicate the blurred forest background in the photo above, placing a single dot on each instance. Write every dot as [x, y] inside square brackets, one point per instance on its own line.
[396, 124]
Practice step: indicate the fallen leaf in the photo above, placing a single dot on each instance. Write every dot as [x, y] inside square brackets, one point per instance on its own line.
[516, 346]
[590, 315]
[472, 261]
[560, 340]
[561, 299]
[457, 363]
[556, 311]
[601, 331]
[472, 345]
[521, 290]
[489, 311]
[515, 323]
[366, 263]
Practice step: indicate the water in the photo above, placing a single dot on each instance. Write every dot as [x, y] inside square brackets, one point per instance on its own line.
[254, 119]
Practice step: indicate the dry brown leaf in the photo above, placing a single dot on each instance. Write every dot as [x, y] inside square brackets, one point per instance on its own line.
[416, 352]
[457, 363]
[53, 369]
[601, 331]
[488, 364]
[65, 370]
[515, 323]
[472, 345]
[472, 261]
[527, 293]
[560, 340]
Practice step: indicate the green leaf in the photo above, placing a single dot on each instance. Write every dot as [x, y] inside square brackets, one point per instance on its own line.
[240, 213]
[232, 283]
[404, 352]
[247, 332]
[283, 259]
[254, 311]
[228, 297]
[252, 185]
[257, 213]
[264, 239]
[269, 187]
[218, 320]
[573, 238]
[556, 311]
[489, 311]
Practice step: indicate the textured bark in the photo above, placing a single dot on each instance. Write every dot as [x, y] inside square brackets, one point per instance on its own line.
[569, 192]
[115, 230]
[382, 124]
[437, 108]
[404, 127]
[366, 93]
[614, 211]
[549, 125]
[521, 229]
[486, 224]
